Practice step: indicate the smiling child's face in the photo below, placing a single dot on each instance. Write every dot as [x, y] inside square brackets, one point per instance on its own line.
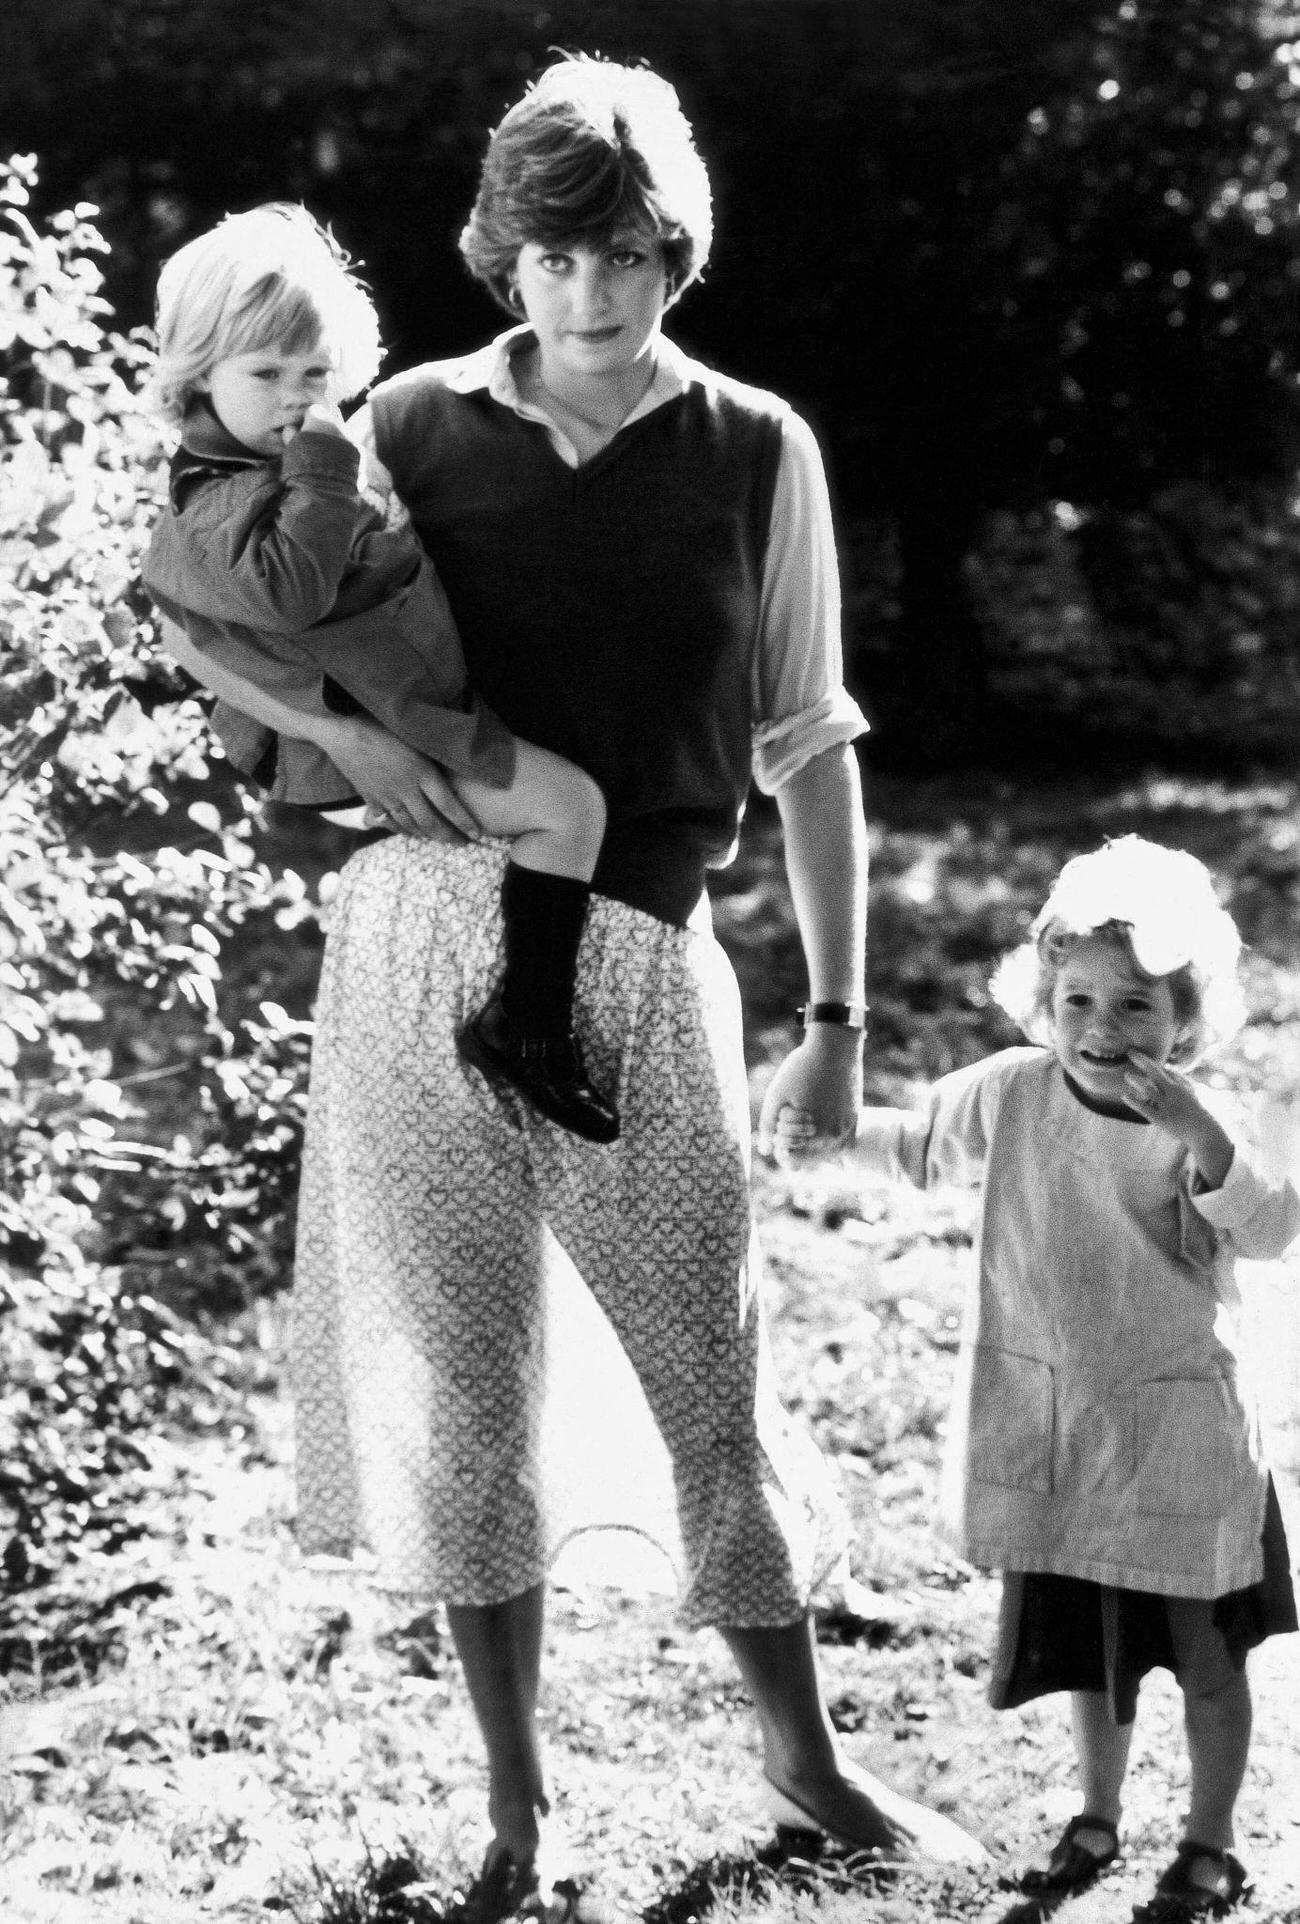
[1102, 1010]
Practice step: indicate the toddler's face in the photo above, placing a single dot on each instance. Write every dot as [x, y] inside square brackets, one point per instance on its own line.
[260, 397]
[1102, 1008]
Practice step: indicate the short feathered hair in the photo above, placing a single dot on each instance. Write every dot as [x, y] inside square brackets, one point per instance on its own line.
[593, 148]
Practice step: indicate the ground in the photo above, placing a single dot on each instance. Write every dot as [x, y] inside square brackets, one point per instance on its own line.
[267, 1743]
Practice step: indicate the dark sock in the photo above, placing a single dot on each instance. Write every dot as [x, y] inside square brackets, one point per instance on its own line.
[544, 917]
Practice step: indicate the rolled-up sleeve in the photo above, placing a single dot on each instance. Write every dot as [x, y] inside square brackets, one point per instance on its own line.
[801, 706]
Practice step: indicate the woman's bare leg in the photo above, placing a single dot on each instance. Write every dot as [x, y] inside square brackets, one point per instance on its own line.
[500, 1649]
[802, 1759]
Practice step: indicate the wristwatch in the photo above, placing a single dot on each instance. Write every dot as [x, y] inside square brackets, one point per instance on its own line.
[842, 1015]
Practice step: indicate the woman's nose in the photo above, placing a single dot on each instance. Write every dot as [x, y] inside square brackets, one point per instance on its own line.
[590, 288]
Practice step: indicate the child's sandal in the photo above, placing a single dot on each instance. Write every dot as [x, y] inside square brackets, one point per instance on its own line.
[1072, 1866]
[1178, 1896]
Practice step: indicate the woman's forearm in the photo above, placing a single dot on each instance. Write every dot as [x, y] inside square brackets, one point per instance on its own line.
[401, 785]
[826, 862]
[300, 723]
[817, 1091]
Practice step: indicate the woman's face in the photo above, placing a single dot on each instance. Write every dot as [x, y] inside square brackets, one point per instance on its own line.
[594, 309]
[1101, 1009]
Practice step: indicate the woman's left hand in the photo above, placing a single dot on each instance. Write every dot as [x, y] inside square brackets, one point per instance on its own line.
[810, 1110]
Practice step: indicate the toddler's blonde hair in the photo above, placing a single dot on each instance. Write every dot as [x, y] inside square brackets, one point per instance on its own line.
[1158, 906]
[271, 277]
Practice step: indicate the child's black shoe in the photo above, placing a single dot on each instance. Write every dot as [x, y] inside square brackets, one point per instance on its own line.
[548, 1070]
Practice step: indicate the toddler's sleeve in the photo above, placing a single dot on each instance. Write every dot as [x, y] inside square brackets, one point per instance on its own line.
[945, 1143]
[1258, 1215]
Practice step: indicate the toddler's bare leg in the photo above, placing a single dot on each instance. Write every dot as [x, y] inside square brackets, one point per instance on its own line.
[1217, 1717]
[552, 811]
[1090, 1840]
[1101, 1746]
[1218, 1723]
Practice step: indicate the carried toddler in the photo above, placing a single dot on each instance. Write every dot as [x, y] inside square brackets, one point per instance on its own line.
[279, 569]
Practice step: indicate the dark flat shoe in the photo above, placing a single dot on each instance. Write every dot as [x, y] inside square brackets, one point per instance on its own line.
[1072, 1866]
[500, 1890]
[548, 1071]
[569, 1900]
[1178, 1896]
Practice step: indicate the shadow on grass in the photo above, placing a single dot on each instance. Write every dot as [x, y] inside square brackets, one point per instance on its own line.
[795, 1863]
[402, 1889]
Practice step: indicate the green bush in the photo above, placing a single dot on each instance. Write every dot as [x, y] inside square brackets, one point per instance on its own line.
[1173, 623]
[139, 1113]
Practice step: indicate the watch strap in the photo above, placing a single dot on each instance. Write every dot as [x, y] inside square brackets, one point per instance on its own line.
[844, 1015]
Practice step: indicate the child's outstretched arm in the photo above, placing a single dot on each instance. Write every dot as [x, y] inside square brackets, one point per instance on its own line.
[946, 1141]
[891, 1145]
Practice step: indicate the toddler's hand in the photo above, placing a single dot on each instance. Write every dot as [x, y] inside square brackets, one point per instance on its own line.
[1162, 1095]
[794, 1134]
[1167, 1099]
[810, 1109]
[322, 417]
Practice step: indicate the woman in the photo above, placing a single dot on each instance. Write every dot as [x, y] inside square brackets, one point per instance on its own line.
[639, 557]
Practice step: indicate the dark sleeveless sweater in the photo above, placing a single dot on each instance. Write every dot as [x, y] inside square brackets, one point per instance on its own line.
[608, 612]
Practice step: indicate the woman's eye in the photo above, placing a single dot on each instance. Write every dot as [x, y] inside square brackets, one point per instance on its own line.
[627, 257]
[554, 263]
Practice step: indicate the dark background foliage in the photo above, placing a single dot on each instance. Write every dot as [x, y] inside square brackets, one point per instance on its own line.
[1002, 254]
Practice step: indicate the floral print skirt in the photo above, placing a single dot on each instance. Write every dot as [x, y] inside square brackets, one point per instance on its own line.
[440, 1227]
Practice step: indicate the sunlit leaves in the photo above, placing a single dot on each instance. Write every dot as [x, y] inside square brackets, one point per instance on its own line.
[109, 942]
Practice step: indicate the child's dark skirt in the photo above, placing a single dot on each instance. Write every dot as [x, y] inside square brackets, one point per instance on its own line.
[1069, 1633]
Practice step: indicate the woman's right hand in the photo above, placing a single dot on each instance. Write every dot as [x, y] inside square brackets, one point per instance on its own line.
[400, 786]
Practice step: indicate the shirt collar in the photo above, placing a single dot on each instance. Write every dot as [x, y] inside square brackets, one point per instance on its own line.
[202, 434]
[492, 369]
[207, 448]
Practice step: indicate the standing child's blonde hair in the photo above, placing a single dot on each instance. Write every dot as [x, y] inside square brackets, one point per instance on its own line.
[271, 277]
[1158, 905]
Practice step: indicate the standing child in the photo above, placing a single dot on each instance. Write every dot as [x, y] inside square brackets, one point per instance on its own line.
[1105, 1450]
[279, 568]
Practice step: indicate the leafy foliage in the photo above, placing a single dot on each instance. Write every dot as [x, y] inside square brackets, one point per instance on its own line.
[121, 882]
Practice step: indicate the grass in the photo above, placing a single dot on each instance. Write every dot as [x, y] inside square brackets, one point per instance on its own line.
[268, 1745]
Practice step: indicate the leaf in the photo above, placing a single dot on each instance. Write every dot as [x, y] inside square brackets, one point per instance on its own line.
[206, 815]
